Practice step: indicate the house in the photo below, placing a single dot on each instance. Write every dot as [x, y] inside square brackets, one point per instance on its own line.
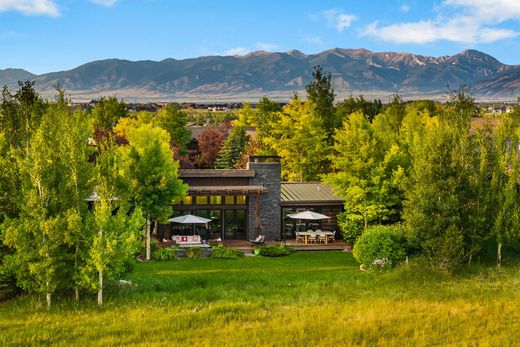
[245, 203]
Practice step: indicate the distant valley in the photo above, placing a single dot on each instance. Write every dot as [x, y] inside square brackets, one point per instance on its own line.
[279, 75]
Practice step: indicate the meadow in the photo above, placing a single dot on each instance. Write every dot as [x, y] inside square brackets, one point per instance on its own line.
[305, 299]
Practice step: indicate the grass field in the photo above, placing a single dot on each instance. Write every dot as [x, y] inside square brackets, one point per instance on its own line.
[306, 299]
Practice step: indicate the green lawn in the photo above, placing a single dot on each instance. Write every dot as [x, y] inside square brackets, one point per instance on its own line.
[308, 298]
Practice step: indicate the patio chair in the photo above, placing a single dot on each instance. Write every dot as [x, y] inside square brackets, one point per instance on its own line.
[321, 237]
[299, 237]
[312, 237]
[331, 237]
[259, 241]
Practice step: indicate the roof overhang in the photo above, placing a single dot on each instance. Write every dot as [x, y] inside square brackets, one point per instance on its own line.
[215, 173]
[226, 190]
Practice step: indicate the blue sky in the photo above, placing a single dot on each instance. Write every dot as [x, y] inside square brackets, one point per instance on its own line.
[50, 35]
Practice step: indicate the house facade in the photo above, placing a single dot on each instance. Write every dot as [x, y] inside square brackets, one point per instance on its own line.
[243, 204]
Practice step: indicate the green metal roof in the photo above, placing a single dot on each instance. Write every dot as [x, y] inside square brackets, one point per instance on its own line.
[309, 193]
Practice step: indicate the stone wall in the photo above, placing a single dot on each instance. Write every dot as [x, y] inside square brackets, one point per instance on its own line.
[267, 174]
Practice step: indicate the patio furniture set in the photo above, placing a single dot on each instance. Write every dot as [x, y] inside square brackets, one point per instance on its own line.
[318, 236]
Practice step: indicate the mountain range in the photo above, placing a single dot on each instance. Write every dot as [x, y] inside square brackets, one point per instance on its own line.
[279, 74]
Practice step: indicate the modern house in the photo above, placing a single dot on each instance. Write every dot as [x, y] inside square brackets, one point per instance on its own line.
[245, 203]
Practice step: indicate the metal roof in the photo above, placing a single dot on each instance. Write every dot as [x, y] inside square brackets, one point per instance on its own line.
[308, 193]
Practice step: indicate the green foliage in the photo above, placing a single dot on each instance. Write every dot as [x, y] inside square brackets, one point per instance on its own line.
[232, 149]
[193, 252]
[276, 250]
[222, 252]
[115, 230]
[299, 138]
[381, 242]
[108, 111]
[321, 95]
[350, 227]
[165, 253]
[368, 169]
[358, 105]
[172, 119]
[152, 171]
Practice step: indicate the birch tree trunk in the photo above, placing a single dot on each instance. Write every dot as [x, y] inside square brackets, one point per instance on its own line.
[499, 254]
[100, 290]
[147, 240]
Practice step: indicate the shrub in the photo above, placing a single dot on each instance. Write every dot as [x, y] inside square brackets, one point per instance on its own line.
[165, 254]
[193, 252]
[275, 251]
[222, 252]
[350, 229]
[381, 242]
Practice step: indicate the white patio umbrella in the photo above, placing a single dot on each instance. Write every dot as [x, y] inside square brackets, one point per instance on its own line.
[189, 219]
[308, 215]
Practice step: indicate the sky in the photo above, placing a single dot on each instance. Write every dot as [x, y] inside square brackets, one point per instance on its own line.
[52, 35]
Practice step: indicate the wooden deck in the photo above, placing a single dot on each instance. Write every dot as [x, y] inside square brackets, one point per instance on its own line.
[338, 245]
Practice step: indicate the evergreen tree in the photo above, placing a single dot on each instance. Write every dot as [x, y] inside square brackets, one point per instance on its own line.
[232, 149]
[321, 95]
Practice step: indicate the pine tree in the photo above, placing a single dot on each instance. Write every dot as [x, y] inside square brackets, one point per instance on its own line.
[321, 95]
[232, 149]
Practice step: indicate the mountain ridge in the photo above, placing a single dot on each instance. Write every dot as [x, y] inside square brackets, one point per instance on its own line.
[354, 71]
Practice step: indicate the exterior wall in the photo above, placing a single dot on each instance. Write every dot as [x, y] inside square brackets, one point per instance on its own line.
[267, 174]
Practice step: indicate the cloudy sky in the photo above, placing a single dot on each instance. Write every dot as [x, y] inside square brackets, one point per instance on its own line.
[50, 35]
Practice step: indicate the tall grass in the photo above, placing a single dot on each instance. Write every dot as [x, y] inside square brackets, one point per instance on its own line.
[305, 299]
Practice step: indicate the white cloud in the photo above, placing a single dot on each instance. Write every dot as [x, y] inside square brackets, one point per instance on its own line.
[463, 21]
[339, 20]
[237, 51]
[405, 8]
[31, 7]
[268, 47]
[106, 3]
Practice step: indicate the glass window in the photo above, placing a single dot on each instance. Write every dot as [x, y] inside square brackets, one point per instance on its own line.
[229, 200]
[187, 200]
[241, 200]
[215, 200]
[201, 200]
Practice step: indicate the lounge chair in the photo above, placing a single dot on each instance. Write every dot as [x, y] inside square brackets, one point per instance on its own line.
[259, 241]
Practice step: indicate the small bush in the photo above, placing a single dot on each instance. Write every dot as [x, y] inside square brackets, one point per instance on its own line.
[193, 252]
[165, 254]
[275, 251]
[350, 229]
[222, 252]
[381, 242]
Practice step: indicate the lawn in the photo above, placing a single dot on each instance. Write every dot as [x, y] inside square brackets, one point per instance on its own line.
[308, 298]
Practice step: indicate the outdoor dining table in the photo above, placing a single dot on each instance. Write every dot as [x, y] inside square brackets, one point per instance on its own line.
[306, 235]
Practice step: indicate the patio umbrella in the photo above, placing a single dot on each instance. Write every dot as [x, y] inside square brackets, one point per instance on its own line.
[308, 215]
[190, 219]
